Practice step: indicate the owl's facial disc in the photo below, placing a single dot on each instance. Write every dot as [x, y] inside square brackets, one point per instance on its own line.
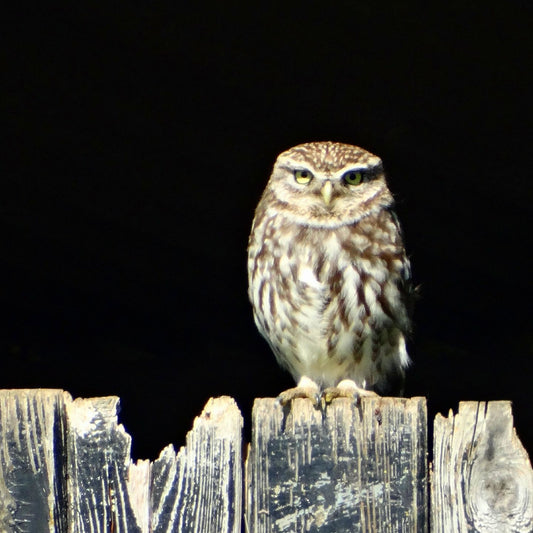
[325, 194]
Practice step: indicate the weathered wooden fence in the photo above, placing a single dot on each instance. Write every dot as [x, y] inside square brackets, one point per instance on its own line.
[65, 467]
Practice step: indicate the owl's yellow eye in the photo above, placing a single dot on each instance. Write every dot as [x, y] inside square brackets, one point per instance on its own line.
[353, 177]
[302, 176]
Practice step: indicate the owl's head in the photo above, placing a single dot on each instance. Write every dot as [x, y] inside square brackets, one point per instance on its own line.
[328, 184]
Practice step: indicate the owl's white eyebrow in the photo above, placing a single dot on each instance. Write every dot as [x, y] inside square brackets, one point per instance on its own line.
[364, 166]
[371, 169]
[292, 169]
[355, 168]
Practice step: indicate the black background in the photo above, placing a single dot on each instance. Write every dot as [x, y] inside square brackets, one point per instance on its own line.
[141, 134]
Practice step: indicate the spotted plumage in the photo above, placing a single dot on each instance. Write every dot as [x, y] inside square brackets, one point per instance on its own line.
[329, 279]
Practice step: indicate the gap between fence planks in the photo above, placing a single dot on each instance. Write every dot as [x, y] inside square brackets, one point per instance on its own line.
[65, 466]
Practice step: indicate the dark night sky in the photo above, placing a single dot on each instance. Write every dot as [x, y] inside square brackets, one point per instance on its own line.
[141, 134]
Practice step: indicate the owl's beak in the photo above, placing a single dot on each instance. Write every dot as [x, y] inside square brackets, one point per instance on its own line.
[326, 191]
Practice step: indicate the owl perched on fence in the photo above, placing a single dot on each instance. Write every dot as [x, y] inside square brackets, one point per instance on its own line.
[329, 279]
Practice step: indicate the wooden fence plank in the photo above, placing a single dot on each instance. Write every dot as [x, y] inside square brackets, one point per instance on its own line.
[31, 490]
[199, 490]
[346, 468]
[482, 478]
[98, 463]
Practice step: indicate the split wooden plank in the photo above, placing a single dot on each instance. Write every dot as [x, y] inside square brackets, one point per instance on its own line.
[482, 478]
[32, 491]
[345, 468]
[98, 464]
[199, 490]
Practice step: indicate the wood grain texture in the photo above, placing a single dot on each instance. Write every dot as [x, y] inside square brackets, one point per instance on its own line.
[32, 491]
[98, 464]
[345, 468]
[199, 490]
[65, 467]
[482, 478]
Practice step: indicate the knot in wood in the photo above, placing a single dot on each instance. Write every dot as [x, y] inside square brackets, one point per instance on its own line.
[500, 493]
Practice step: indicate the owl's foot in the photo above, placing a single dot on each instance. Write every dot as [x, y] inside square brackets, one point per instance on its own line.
[306, 388]
[347, 389]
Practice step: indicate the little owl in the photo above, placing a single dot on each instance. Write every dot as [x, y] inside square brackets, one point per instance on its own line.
[329, 279]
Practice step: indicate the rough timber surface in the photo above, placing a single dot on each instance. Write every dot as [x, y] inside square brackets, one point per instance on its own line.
[482, 478]
[345, 468]
[65, 467]
[200, 488]
[31, 490]
[98, 464]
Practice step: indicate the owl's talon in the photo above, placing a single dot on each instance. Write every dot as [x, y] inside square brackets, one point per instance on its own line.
[299, 392]
[347, 389]
[306, 388]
